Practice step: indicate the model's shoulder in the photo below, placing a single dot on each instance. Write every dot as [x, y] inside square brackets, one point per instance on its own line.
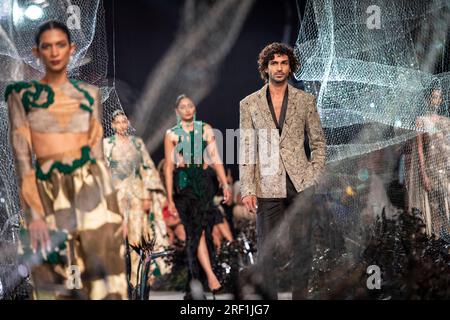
[85, 87]
[110, 139]
[137, 140]
[202, 124]
[306, 95]
[173, 133]
[17, 87]
[83, 84]
[174, 129]
[250, 98]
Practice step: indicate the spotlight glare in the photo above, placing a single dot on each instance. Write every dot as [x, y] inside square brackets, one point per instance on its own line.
[34, 12]
[17, 13]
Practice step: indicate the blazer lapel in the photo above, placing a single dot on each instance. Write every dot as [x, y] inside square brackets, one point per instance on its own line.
[291, 110]
[263, 107]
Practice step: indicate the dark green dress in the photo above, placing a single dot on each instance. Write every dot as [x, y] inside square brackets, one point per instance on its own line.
[194, 191]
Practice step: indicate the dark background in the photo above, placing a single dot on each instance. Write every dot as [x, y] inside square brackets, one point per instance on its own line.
[144, 29]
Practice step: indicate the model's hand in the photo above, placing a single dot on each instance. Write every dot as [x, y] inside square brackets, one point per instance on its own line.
[172, 209]
[250, 203]
[227, 197]
[146, 205]
[39, 235]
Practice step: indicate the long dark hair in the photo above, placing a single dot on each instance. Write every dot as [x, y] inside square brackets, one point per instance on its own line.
[49, 25]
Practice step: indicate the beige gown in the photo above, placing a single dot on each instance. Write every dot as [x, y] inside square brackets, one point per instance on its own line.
[434, 205]
[135, 179]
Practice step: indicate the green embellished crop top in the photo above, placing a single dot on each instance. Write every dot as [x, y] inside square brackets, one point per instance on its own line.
[191, 147]
[52, 117]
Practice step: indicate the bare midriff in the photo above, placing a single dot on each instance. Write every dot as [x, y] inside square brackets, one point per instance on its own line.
[55, 146]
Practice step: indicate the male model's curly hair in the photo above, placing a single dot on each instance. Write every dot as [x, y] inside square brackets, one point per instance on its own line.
[269, 52]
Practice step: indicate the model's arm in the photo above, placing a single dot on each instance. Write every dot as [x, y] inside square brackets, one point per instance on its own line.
[150, 175]
[216, 162]
[96, 129]
[169, 167]
[316, 138]
[106, 151]
[20, 137]
[213, 154]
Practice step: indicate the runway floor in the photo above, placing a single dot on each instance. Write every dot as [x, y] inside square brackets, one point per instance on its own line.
[176, 295]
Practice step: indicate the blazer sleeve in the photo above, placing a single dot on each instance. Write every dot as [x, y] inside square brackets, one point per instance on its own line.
[316, 139]
[247, 151]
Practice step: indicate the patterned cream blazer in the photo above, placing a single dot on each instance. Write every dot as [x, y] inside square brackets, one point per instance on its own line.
[265, 157]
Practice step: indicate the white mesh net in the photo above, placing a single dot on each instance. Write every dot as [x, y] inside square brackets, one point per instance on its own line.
[372, 66]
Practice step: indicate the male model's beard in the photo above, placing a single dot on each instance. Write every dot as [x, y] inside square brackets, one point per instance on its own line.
[278, 81]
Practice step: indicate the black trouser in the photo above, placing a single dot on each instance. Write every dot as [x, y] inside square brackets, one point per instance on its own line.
[298, 208]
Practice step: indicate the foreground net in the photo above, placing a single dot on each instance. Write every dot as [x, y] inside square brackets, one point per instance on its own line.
[374, 66]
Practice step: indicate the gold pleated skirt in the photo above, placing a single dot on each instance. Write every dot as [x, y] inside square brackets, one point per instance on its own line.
[84, 203]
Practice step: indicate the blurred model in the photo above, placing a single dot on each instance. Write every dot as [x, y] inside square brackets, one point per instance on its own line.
[68, 188]
[140, 192]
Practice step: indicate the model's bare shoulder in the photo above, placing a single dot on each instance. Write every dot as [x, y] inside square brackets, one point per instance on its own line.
[171, 135]
[169, 132]
[207, 126]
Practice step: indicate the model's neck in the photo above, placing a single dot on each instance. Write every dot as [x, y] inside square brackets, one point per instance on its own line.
[187, 123]
[277, 88]
[55, 78]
